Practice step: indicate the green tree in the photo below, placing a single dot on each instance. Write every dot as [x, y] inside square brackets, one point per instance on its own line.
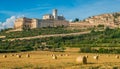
[76, 20]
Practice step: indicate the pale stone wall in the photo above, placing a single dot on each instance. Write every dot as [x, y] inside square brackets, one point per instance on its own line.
[38, 23]
[48, 16]
[52, 23]
[34, 23]
[21, 22]
[45, 23]
[61, 23]
[18, 23]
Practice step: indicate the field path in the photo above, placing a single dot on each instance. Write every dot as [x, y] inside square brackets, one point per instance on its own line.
[52, 35]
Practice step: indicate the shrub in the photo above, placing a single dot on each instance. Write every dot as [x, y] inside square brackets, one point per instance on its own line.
[85, 49]
[100, 25]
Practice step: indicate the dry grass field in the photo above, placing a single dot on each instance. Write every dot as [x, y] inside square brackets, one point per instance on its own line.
[65, 60]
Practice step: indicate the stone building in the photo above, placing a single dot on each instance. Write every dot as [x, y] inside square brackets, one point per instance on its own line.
[53, 16]
[49, 20]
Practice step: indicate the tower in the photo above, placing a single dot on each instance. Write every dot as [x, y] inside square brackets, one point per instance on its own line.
[55, 14]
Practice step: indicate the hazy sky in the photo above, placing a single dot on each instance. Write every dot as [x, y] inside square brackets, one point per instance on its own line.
[10, 9]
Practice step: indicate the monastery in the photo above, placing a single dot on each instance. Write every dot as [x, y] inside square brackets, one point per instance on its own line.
[48, 20]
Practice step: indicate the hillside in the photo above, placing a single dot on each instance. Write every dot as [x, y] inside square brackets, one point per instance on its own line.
[101, 39]
[110, 38]
[111, 20]
[37, 31]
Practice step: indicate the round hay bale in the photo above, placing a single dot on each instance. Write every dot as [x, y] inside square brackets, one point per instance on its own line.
[64, 54]
[12, 54]
[67, 55]
[4, 56]
[18, 56]
[96, 57]
[117, 56]
[86, 56]
[28, 55]
[54, 57]
[61, 54]
[81, 60]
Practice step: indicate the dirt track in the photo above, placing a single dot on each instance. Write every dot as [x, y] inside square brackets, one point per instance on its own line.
[53, 35]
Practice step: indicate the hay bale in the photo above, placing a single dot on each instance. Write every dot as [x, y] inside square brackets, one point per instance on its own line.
[117, 56]
[54, 57]
[81, 60]
[96, 57]
[12, 54]
[61, 54]
[18, 56]
[28, 55]
[4, 56]
[67, 55]
[86, 56]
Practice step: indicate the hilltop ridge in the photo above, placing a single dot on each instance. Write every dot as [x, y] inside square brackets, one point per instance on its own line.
[111, 20]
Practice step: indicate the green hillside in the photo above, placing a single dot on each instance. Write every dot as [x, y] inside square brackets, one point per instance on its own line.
[38, 31]
[110, 38]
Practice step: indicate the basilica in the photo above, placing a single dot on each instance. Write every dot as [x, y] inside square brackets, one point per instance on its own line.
[48, 20]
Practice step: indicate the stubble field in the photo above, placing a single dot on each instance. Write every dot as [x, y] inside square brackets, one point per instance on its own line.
[65, 60]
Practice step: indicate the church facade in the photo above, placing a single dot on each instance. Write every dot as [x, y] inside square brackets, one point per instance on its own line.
[48, 20]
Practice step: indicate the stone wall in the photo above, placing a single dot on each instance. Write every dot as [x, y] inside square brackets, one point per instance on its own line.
[18, 23]
[52, 23]
[34, 23]
[38, 23]
[61, 23]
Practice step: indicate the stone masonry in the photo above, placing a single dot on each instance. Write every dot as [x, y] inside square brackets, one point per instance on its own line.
[48, 20]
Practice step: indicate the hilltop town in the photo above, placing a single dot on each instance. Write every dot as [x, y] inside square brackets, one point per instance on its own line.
[107, 20]
[53, 20]
[48, 20]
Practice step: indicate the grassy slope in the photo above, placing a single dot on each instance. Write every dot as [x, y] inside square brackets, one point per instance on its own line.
[107, 38]
[36, 32]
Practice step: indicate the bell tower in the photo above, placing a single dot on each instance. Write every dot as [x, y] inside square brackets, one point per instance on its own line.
[55, 14]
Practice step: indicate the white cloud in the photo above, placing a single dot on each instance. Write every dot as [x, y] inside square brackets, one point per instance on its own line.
[9, 23]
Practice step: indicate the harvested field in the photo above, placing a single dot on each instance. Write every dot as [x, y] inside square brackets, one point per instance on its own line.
[44, 60]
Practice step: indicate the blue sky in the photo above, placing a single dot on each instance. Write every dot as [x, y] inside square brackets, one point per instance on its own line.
[69, 8]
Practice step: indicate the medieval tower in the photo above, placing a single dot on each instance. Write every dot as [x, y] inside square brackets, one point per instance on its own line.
[55, 14]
